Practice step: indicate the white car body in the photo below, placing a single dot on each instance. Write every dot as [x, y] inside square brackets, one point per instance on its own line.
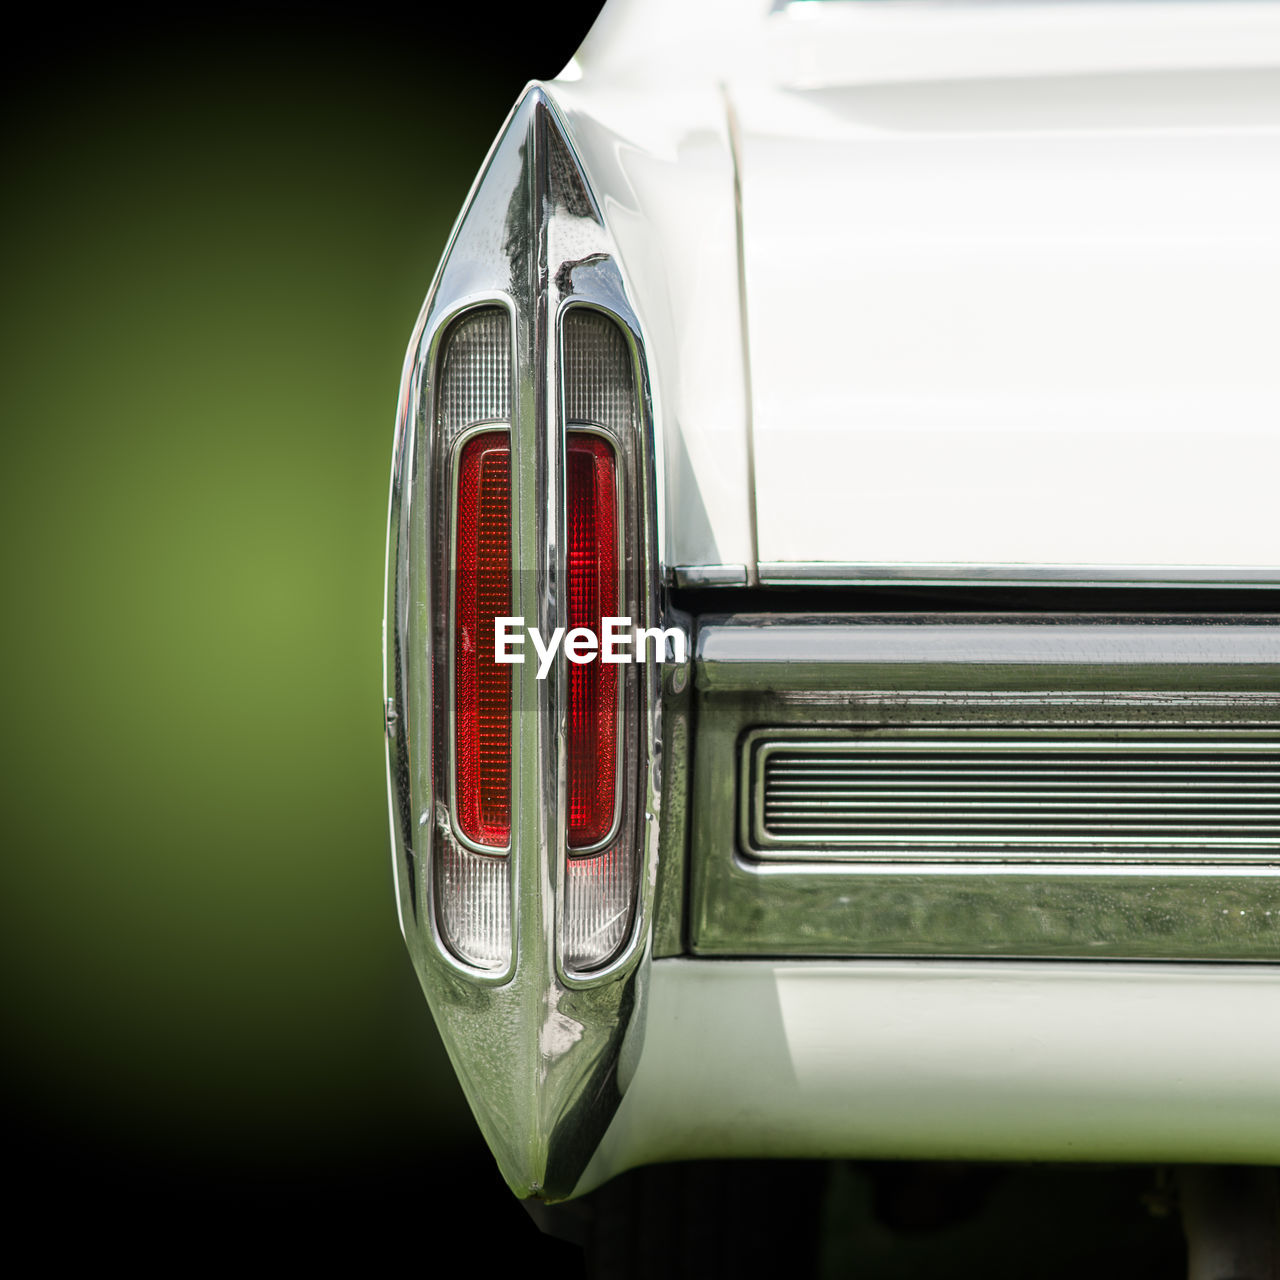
[1010, 281]
[928, 295]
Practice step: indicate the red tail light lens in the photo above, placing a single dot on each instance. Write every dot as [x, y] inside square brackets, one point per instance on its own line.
[482, 687]
[593, 596]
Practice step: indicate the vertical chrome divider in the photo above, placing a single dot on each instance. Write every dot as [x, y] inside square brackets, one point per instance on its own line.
[529, 813]
[555, 761]
[539, 725]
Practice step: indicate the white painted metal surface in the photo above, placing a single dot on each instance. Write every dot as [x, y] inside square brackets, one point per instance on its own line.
[952, 1060]
[1012, 275]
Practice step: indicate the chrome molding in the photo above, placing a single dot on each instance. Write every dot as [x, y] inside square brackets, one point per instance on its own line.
[537, 1049]
[1023, 795]
[989, 652]
[748, 394]
[1154, 679]
[708, 575]
[822, 573]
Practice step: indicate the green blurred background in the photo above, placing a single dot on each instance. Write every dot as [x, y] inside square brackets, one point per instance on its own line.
[218, 231]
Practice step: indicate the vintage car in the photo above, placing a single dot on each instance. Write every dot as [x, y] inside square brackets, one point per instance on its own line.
[832, 663]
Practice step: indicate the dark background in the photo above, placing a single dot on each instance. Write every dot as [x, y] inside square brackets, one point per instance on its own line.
[219, 226]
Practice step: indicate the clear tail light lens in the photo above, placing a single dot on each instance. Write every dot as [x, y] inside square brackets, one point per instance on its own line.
[473, 894]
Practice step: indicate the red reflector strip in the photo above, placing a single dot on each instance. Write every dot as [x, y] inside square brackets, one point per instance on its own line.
[593, 596]
[482, 687]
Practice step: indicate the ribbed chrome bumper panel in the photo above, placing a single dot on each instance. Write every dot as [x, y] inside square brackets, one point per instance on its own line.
[1036, 786]
[1055, 793]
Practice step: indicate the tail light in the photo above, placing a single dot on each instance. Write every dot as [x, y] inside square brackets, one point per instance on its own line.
[525, 793]
[602, 858]
[592, 536]
[482, 686]
[474, 729]
[472, 586]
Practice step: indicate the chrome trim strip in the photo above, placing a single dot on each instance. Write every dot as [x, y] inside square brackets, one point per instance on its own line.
[749, 651]
[1158, 677]
[823, 573]
[708, 575]
[748, 397]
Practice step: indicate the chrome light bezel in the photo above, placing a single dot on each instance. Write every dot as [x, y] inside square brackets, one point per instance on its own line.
[538, 1048]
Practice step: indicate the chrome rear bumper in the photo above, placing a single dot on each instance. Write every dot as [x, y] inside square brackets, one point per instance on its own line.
[1209, 687]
